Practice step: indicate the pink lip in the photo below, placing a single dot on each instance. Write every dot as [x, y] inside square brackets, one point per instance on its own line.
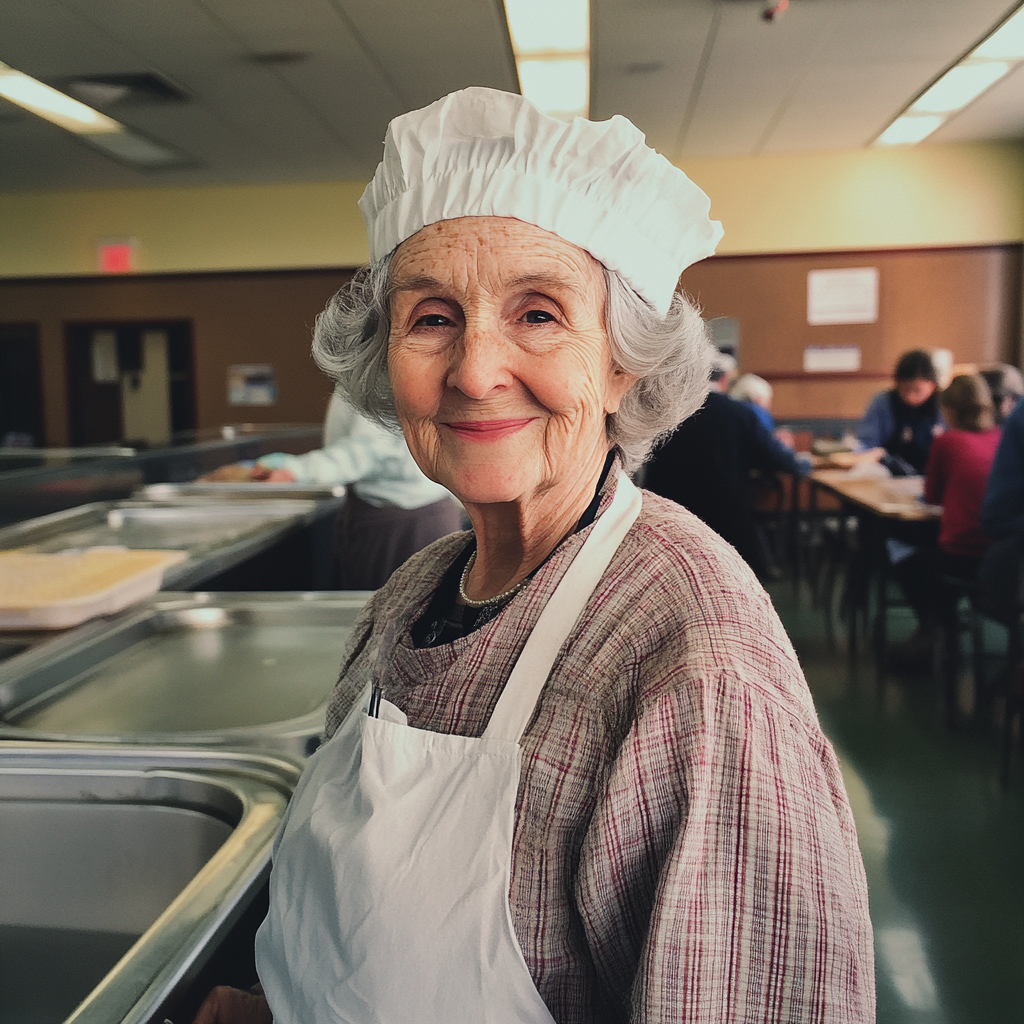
[487, 430]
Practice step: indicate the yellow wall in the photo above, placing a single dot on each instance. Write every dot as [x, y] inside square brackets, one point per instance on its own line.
[858, 199]
[867, 198]
[241, 227]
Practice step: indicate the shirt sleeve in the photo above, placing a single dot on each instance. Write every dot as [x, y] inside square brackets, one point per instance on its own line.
[771, 454]
[359, 456]
[727, 854]
[876, 425]
[1003, 510]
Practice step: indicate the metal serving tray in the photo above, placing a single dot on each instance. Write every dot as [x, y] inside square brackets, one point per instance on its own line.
[215, 670]
[122, 869]
[215, 536]
[238, 491]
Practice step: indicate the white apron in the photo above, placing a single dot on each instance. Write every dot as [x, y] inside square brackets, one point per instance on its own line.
[389, 892]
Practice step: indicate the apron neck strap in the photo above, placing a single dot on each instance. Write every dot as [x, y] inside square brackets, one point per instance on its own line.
[517, 701]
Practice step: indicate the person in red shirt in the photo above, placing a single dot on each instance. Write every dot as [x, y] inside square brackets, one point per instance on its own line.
[958, 468]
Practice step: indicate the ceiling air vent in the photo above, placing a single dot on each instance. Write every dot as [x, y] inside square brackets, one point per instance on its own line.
[138, 89]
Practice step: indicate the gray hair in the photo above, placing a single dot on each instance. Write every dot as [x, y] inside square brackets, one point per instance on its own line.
[751, 388]
[670, 356]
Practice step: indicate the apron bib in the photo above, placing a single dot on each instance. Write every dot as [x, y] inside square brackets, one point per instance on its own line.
[389, 891]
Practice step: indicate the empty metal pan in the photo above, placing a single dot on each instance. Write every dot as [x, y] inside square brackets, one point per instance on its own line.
[121, 869]
[226, 670]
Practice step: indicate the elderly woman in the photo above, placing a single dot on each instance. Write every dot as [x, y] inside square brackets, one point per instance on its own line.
[573, 772]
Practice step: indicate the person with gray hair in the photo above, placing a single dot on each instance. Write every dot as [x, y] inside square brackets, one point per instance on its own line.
[572, 770]
[1007, 386]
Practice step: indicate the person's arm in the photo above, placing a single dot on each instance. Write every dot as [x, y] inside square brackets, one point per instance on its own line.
[371, 452]
[770, 454]
[876, 425]
[723, 863]
[1003, 510]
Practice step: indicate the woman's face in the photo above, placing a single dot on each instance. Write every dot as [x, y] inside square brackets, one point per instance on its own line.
[915, 392]
[499, 359]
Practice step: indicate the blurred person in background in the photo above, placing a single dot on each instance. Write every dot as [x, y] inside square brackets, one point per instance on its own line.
[899, 424]
[1002, 518]
[391, 509]
[757, 393]
[958, 470]
[706, 465]
[1007, 386]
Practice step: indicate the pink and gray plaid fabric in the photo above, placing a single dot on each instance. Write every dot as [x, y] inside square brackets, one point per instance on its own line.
[684, 849]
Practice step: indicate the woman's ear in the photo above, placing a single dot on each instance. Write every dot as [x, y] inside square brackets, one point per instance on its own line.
[619, 383]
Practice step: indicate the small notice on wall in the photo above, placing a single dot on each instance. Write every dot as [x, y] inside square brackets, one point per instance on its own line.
[252, 384]
[831, 358]
[845, 296]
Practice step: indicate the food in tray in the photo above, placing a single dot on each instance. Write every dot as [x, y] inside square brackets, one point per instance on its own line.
[52, 591]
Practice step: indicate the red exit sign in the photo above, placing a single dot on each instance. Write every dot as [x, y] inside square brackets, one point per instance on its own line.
[117, 256]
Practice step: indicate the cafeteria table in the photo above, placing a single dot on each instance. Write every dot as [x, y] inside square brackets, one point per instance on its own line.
[885, 508]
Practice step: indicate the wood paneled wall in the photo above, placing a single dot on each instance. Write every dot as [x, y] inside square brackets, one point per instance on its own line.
[236, 318]
[964, 299]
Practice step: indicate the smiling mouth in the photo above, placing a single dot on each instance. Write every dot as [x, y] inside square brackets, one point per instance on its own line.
[488, 430]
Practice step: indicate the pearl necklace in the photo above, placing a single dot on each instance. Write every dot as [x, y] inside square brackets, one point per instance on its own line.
[511, 592]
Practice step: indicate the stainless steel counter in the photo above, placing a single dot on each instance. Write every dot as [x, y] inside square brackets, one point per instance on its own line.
[216, 535]
[226, 670]
[120, 870]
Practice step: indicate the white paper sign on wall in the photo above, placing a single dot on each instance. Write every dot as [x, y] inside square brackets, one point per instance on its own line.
[831, 359]
[844, 296]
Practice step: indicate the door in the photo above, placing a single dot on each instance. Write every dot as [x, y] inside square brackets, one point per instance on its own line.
[130, 382]
[21, 387]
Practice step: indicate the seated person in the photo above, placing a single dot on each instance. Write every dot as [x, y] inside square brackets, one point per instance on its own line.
[391, 509]
[757, 393]
[706, 466]
[1002, 518]
[958, 470]
[1007, 386]
[900, 424]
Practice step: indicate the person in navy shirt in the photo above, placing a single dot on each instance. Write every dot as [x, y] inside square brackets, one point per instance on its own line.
[904, 419]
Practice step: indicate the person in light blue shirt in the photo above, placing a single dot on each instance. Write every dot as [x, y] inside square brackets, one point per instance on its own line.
[391, 509]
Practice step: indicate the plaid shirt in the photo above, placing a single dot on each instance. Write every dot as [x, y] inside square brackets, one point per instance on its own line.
[684, 849]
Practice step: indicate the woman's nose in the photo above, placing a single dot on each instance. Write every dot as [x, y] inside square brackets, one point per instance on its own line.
[479, 362]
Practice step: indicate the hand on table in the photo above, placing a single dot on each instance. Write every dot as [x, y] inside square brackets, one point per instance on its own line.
[236, 473]
[233, 1006]
[847, 460]
[233, 473]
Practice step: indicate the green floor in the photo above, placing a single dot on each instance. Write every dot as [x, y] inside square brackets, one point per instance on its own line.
[943, 841]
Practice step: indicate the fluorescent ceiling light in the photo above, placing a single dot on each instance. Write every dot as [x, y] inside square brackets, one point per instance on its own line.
[560, 88]
[1006, 43]
[999, 53]
[959, 85]
[907, 130]
[551, 43]
[41, 100]
[537, 26]
[102, 132]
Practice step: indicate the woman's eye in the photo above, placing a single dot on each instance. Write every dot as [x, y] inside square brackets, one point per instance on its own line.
[433, 320]
[539, 316]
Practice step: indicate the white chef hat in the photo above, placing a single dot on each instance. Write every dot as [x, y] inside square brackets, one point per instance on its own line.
[597, 184]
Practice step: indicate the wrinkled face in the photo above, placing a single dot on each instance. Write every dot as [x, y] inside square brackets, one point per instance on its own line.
[915, 392]
[499, 359]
